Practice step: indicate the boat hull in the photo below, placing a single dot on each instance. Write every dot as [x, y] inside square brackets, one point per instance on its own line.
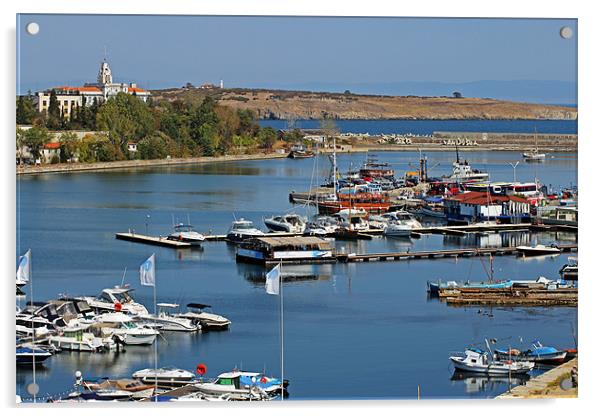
[459, 364]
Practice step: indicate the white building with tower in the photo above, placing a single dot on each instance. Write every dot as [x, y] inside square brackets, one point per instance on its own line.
[104, 88]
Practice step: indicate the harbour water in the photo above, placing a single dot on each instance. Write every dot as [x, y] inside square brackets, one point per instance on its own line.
[358, 330]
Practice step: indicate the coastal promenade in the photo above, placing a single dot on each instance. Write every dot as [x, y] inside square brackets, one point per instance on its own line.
[546, 385]
[129, 164]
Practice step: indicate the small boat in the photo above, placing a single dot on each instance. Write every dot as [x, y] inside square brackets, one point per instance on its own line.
[73, 338]
[125, 328]
[288, 223]
[28, 355]
[321, 226]
[478, 361]
[397, 228]
[130, 388]
[534, 156]
[241, 230]
[538, 250]
[241, 382]
[165, 376]
[405, 217]
[270, 250]
[118, 297]
[169, 322]
[435, 287]
[538, 354]
[186, 233]
[299, 151]
[569, 271]
[206, 320]
[352, 219]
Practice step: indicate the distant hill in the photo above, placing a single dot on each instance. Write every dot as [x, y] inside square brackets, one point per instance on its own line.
[284, 104]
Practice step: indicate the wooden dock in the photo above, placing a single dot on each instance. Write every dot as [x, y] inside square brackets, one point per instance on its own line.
[434, 254]
[156, 241]
[514, 296]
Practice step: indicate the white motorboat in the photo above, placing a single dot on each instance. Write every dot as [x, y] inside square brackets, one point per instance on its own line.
[352, 219]
[288, 223]
[118, 297]
[241, 230]
[377, 222]
[186, 233]
[405, 217]
[478, 361]
[164, 376]
[197, 314]
[125, 328]
[321, 226]
[73, 338]
[397, 228]
[534, 156]
[538, 250]
[242, 382]
[168, 321]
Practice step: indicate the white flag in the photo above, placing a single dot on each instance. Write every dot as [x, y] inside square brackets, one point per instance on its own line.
[272, 281]
[147, 272]
[24, 269]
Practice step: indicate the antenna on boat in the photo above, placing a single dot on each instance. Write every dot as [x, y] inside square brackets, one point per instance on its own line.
[173, 221]
[123, 276]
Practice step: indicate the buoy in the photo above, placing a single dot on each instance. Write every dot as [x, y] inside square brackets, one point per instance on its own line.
[118, 307]
[263, 380]
[201, 369]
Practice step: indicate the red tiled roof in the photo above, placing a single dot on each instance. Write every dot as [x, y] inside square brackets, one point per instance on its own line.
[80, 89]
[483, 198]
[54, 145]
[136, 89]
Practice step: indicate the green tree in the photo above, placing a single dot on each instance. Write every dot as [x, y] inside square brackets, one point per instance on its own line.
[267, 137]
[35, 138]
[26, 110]
[153, 147]
[69, 146]
[54, 112]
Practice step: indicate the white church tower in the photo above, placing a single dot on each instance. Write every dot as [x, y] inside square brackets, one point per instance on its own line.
[104, 74]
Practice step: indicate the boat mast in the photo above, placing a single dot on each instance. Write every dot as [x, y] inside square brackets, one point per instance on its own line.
[334, 165]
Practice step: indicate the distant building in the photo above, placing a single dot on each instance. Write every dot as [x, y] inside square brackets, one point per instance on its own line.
[49, 151]
[132, 147]
[474, 206]
[100, 91]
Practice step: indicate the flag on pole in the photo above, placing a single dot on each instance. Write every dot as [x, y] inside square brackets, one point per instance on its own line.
[147, 272]
[24, 269]
[272, 281]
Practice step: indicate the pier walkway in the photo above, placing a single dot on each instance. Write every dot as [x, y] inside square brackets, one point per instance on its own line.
[546, 385]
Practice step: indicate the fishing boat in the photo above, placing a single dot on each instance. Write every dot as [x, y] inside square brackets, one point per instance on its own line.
[241, 230]
[113, 299]
[28, 355]
[270, 250]
[434, 287]
[241, 382]
[165, 376]
[186, 233]
[125, 328]
[373, 169]
[537, 353]
[288, 223]
[478, 361]
[197, 314]
[538, 250]
[373, 203]
[463, 172]
[299, 151]
[169, 322]
[535, 155]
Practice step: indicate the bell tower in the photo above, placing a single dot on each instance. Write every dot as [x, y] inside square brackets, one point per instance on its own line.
[104, 74]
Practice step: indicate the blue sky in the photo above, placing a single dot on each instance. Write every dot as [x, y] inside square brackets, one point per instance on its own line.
[521, 59]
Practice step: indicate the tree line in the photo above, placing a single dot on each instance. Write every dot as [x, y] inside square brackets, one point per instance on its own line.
[175, 129]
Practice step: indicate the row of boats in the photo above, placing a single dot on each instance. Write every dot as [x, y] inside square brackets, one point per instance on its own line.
[505, 361]
[102, 323]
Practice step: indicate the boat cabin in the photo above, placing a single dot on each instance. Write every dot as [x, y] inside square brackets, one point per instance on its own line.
[471, 207]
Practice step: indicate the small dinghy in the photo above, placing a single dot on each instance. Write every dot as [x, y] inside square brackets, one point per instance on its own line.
[478, 361]
[538, 250]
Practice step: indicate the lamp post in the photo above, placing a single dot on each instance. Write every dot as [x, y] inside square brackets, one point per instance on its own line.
[514, 165]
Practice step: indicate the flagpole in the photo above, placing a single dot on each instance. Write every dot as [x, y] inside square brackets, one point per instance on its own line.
[281, 334]
[33, 330]
[156, 339]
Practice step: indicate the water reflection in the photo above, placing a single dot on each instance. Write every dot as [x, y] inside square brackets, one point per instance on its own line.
[479, 383]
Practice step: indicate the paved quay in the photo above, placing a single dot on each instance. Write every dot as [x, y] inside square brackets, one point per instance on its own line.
[546, 385]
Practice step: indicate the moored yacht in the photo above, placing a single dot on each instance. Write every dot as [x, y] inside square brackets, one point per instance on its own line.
[186, 233]
[241, 230]
[288, 223]
[113, 299]
[125, 328]
[207, 320]
[240, 382]
[168, 321]
[164, 376]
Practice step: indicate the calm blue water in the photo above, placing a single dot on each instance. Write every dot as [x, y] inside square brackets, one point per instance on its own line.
[353, 331]
[426, 127]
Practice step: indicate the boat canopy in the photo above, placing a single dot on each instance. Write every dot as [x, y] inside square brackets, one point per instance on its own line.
[198, 305]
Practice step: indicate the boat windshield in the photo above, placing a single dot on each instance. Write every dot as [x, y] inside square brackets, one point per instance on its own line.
[244, 226]
[123, 297]
[129, 325]
[184, 227]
